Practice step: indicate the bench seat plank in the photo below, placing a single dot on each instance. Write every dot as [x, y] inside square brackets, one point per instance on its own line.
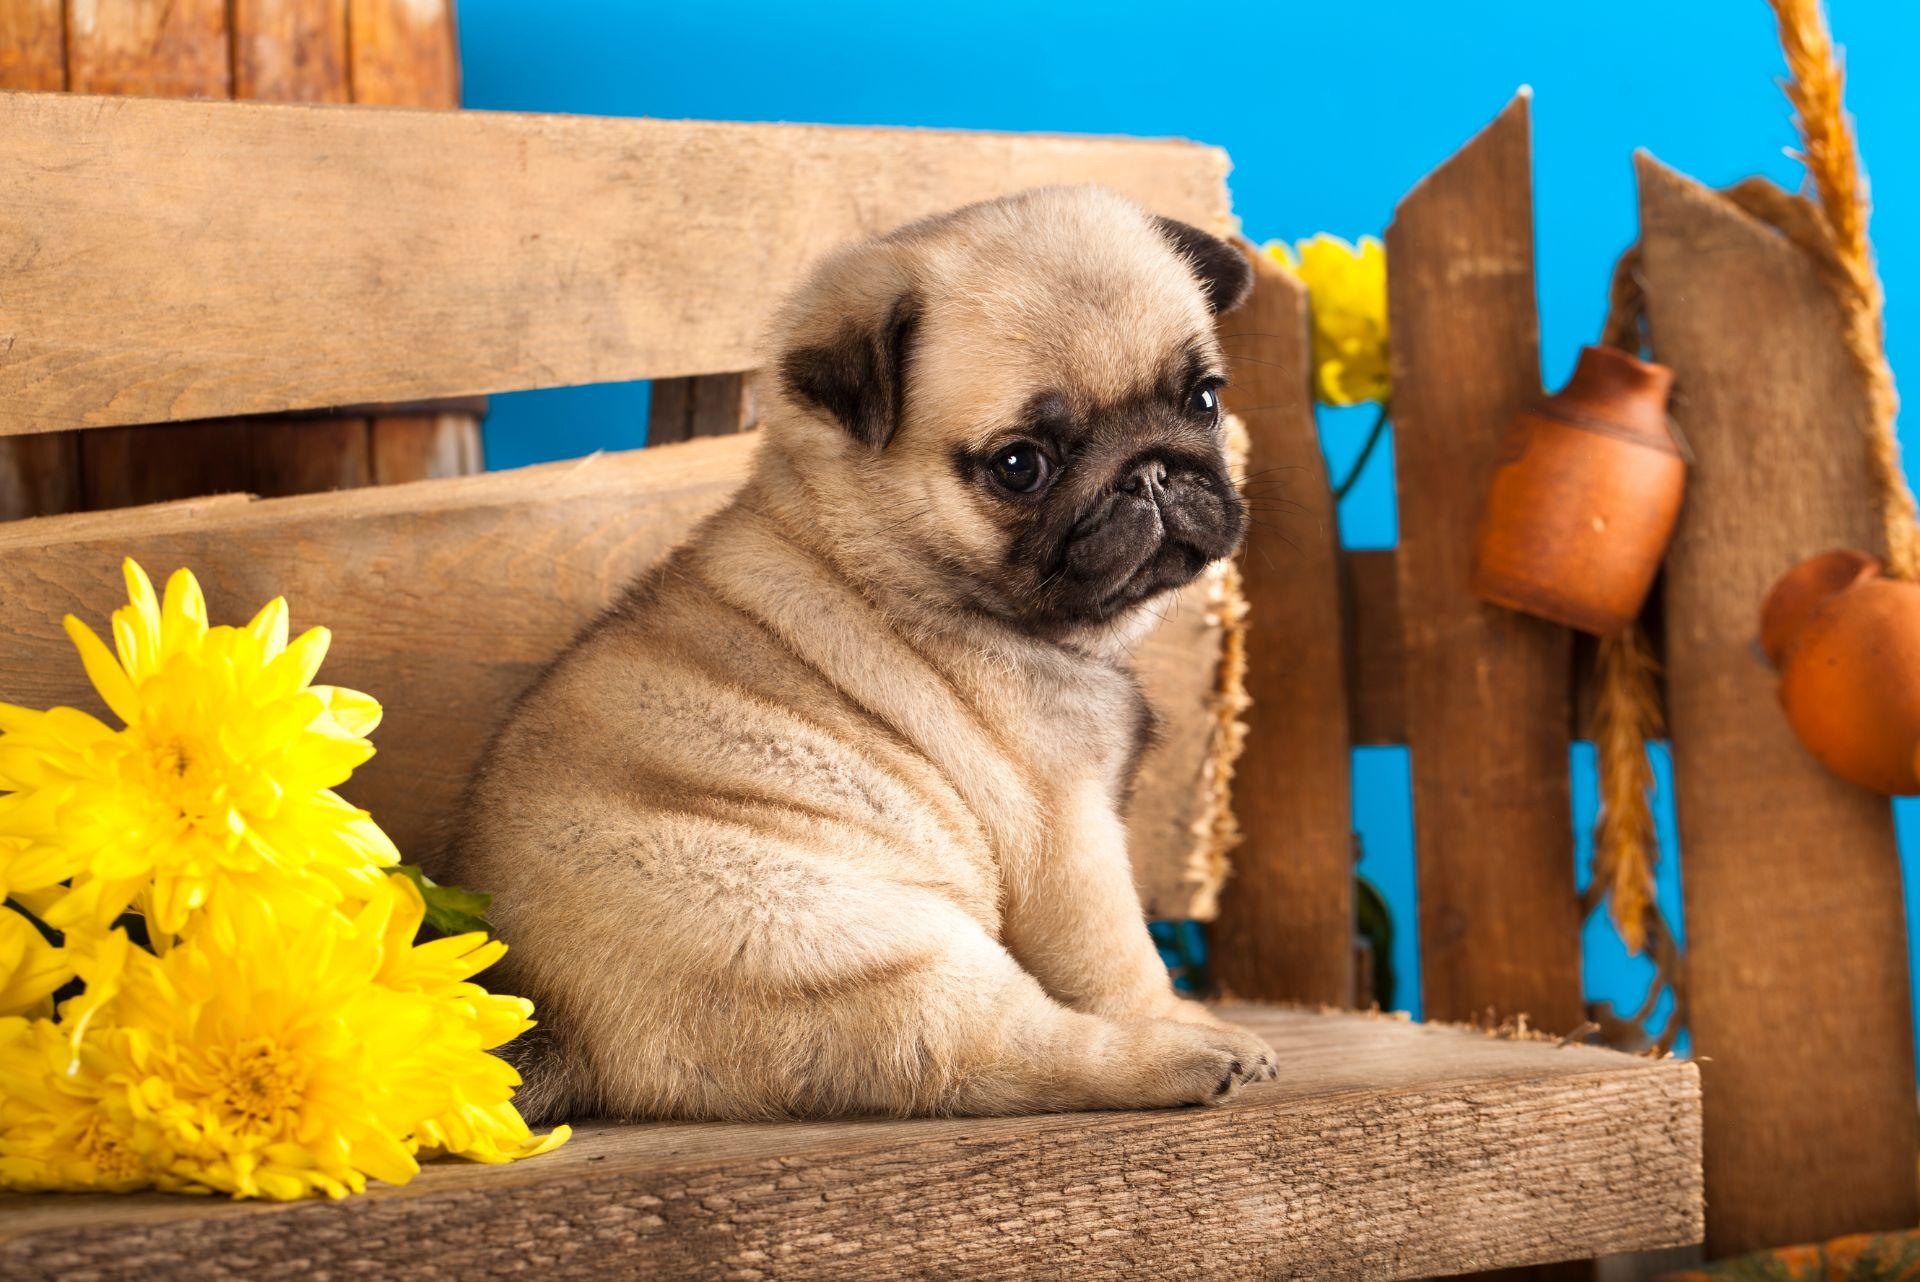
[1386, 1150]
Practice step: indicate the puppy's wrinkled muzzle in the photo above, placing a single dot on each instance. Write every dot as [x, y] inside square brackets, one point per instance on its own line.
[1154, 531]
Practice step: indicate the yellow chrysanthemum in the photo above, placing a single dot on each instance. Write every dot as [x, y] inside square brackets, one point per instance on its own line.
[271, 1058]
[1347, 286]
[30, 967]
[482, 1125]
[223, 774]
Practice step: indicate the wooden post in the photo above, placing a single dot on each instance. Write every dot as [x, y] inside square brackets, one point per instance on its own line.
[1797, 946]
[681, 409]
[406, 54]
[39, 474]
[1486, 689]
[379, 51]
[1285, 930]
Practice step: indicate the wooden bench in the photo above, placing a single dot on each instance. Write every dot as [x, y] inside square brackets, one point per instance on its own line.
[171, 261]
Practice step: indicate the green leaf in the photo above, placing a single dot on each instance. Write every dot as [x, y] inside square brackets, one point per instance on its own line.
[450, 910]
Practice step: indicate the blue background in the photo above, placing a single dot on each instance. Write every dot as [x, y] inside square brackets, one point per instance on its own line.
[1329, 113]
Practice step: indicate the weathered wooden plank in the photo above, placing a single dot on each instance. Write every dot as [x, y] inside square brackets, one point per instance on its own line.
[1797, 956]
[1376, 648]
[32, 45]
[173, 48]
[680, 409]
[1285, 929]
[290, 50]
[421, 447]
[220, 259]
[1387, 1150]
[446, 597]
[1486, 690]
[131, 466]
[38, 474]
[404, 53]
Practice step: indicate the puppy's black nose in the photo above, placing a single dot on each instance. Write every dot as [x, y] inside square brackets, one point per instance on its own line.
[1146, 477]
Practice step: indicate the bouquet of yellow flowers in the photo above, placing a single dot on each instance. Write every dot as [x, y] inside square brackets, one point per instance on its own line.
[209, 973]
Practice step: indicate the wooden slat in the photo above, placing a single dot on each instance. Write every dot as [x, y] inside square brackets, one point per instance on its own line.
[38, 474]
[290, 50]
[220, 259]
[1376, 647]
[446, 597]
[1285, 929]
[130, 466]
[172, 48]
[404, 53]
[1387, 1150]
[1486, 690]
[32, 45]
[420, 447]
[1796, 943]
[680, 409]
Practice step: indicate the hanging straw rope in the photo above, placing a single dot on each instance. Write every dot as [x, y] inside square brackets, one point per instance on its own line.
[1815, 87]
[1626, 716]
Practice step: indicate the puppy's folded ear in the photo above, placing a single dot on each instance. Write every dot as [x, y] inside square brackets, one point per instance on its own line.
[1223, 274]
[848, 336]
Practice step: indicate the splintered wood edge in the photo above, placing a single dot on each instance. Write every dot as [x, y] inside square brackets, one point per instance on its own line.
[1396, 1150]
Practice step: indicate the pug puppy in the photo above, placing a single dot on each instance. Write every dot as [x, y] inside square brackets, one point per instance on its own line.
[824, 816]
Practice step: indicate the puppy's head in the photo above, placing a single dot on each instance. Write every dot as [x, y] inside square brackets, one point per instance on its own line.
[1015, 408]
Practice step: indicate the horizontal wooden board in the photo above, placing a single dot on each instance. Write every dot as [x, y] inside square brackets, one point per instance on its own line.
[173, 260]
[1385, 1150]
[446, 597]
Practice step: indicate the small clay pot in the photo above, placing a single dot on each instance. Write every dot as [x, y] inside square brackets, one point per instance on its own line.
[1846, 640]
[1583, 503]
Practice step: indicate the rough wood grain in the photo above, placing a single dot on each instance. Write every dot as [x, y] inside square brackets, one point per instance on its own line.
[1376, 647]
[171, 48]
[38, 474]
[446, 597]
[223, 259]
[1797, 947]
[1388, 1150]
[680, 409]
[1486, 690]
[130, 466]
[404, 53]
[290, 50]
[32, 45]
[422, 447]
[1285, 929]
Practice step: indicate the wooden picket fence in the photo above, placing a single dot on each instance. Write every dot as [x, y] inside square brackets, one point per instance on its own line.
[457, 255]
[1796, 941]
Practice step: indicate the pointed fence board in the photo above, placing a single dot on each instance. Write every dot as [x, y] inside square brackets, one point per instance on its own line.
[1486, 690]
[1797, 955]
[1285, 929]
[1387, 1150]
[245, 258]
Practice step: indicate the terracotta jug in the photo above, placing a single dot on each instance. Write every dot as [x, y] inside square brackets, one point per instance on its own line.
[1583, 503]
[1846, 640]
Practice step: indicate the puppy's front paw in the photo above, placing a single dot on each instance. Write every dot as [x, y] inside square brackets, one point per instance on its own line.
[1176, 1063]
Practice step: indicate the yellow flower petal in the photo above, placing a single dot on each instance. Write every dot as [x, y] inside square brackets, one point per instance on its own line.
[104, 670]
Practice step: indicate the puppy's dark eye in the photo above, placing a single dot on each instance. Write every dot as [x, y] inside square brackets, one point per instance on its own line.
[1204, 400]
[1021, 468]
